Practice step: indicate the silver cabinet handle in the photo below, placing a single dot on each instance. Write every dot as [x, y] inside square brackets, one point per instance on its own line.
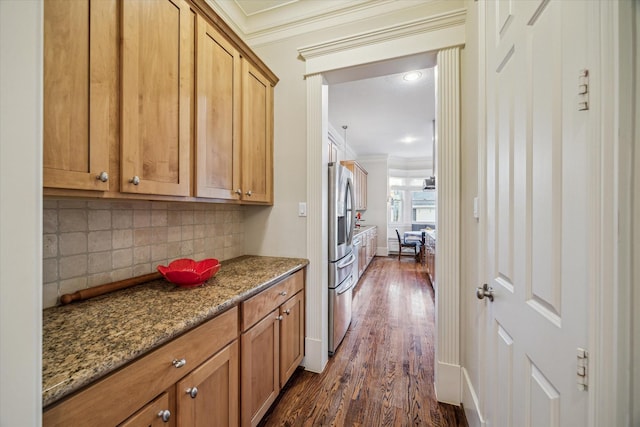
[279, 318]
[135, 180]
[239, 191]
[283, 293]
[287, 311]
[248, 193]
[165, 415]
[193, 392]
[484, 291]
[179, 363]
[104, 177]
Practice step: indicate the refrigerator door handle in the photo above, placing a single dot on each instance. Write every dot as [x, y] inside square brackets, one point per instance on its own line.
[345, 287]
[348, 262]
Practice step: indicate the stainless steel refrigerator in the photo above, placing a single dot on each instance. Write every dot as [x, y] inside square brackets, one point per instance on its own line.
[342, 275]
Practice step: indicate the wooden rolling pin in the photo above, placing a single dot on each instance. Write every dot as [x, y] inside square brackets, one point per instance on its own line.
[109, 287]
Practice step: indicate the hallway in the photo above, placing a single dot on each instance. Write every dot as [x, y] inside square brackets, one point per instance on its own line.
[382, 373]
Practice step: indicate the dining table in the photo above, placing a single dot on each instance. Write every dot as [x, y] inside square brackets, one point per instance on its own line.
[416, 236]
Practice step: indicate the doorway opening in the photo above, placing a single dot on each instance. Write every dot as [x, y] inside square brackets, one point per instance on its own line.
[447, 369]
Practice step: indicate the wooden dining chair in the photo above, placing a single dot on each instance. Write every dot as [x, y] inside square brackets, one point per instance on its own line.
[406, 245]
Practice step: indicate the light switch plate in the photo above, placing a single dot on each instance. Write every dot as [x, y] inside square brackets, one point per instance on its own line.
[302, 209]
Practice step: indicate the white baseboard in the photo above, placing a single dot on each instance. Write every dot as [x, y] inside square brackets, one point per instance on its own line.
[470, 402]
[447, 383]
[315, 358]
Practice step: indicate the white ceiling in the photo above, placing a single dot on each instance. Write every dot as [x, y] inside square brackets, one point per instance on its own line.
[381, 110]
[386, 115]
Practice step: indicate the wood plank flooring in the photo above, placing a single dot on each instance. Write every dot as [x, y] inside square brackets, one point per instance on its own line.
[382, 373]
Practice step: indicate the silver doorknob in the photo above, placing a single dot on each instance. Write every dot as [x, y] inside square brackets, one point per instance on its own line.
[193, 392]
[484, 291]
[135, 180]
[239, 191]
[104, 177]
[165, 415]
[248, 193]
[179, 363]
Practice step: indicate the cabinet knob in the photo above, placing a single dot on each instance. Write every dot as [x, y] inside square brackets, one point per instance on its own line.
[248, 193]
[239, 191]
[165, 415]
[279, 318]
[104, 177]
[287, 311]
[179, 363]
[283, 293]
[192, 391]
[135, 180]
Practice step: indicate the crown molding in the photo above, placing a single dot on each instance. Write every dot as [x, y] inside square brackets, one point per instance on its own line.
[428, 24]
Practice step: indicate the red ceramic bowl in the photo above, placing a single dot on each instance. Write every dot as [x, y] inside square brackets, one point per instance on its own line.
[188, 273]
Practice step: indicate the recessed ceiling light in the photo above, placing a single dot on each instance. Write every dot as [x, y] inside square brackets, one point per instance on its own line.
[412, 76]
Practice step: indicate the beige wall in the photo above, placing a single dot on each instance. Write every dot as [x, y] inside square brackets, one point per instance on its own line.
[90, 243]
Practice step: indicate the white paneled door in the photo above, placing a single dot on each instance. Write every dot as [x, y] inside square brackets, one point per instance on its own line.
[536, 242]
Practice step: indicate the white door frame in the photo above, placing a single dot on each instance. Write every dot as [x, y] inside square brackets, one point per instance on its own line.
[608, 344]
[444, 33]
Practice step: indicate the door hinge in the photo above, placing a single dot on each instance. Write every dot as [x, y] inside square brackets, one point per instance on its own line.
[583, 369]
[583, 90]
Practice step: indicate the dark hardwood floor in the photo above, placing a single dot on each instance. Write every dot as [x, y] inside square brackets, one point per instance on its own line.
[382, 373]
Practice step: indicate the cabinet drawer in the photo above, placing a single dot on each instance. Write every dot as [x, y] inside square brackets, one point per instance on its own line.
[256, 307]
[117, 396]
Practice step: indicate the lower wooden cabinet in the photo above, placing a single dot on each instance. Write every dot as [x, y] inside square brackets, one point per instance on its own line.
[260, 365]
[158, 413]
[368, 248]
[205, 377]
[272, 344]
[208, 396]
[291, 336]
[206, 355]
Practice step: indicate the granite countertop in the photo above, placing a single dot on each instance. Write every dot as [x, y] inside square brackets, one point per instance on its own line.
[83, 341]
[362, 229]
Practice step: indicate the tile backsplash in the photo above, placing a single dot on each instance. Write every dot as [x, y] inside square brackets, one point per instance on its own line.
[90, 243]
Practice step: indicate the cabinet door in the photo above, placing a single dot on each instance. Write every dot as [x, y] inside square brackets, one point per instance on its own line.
[158, 413]
[208, 396]
[291, 336]
[257, 136]
[357, 177]
[218, 115]
[80, 92]
[157, 96]
[260, 365]
[374, 242]
[363, 190]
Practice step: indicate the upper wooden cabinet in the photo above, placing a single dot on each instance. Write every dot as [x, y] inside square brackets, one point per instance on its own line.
[157, 96]
[218, 115]
[80, 93]
[359, 183]
[257, 135]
